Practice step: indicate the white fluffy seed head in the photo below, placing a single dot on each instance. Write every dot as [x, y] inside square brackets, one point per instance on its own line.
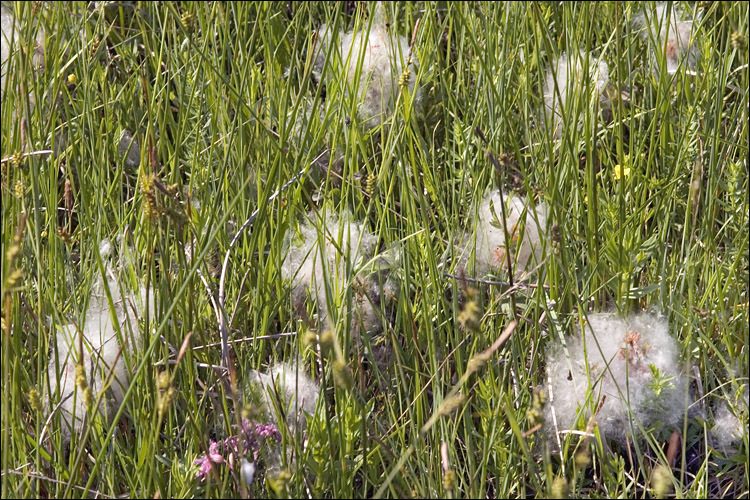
[730, 423]
[567, 80]
[620, 355]
[372, 62]
[526, 225]
[319, 262]
[671, 33]
[104, 351]
[129, 149]
[287, 385]
[10, 41]
[9, 32]
[105, 248]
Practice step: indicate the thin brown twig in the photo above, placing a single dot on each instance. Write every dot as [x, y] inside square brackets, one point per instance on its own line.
[35, 475]
[30, 153]
[414, 37]
[247, 339]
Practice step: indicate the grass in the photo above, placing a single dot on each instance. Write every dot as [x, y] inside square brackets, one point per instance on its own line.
[217, 96]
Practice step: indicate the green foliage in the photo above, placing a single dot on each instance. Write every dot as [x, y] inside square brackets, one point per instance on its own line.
[650, 210]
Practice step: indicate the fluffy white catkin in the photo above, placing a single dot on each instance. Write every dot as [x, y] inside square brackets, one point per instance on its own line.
[374, 62]
[99, 350]
[730, 423]
[10, 41]
[674, 36]
[526, 224]
[318, 262]
[615, 359]
[287, 385]
[566, 79]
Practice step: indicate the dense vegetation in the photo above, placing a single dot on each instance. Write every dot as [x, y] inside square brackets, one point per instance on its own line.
[642, 178]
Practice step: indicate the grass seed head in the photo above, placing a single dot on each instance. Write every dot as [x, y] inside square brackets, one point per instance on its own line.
[662, 481]
[560, 488]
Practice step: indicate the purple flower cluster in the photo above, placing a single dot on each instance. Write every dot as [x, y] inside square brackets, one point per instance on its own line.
[247, 440]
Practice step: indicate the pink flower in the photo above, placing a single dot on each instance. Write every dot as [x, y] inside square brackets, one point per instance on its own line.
[268, 431]
[207, 461]
[251, 435]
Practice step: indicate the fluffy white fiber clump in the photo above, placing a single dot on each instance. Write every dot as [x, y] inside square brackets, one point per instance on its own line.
[621, 356]
[526, 226]
[129, 149]
[9, 32]
[317, 263]
[566, 80]
[10, 41]
[104, 352]
[287, 385]
[373, 62]
[730, 423]
[673, 35]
